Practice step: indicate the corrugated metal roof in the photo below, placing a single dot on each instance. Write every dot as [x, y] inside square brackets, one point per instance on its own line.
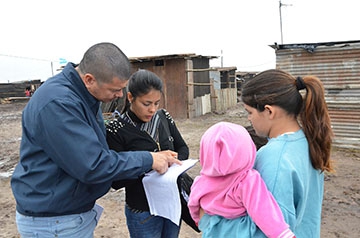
[337, 64]
[172, 56]
[310, 47]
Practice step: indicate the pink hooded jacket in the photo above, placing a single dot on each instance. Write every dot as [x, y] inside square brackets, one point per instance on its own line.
[228, 185]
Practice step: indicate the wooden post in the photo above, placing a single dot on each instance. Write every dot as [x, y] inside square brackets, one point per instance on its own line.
[190, 88]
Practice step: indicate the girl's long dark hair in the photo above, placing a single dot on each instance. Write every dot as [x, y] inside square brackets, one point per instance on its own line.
[276, 87]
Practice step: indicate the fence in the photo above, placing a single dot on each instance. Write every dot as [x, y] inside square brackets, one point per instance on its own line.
[219, 100]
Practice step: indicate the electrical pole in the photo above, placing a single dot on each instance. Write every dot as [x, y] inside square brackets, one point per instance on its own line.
[281, 31]
[221, 58]
[280, 4]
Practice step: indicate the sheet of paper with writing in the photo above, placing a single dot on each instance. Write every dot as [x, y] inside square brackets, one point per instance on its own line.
[162, 191]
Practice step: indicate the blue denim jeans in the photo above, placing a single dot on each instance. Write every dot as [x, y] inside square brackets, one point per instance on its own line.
[69, 226]
[145, 225]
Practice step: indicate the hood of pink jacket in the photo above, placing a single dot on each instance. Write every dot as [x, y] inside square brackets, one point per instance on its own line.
[226, 148]
[227, 156]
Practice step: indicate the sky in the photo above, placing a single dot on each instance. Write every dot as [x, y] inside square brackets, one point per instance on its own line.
[36, 34]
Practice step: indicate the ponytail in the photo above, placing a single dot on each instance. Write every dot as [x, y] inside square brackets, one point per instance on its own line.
[315, 121]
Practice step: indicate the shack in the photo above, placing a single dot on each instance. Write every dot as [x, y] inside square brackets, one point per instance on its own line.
[337, 64]
[189, 83]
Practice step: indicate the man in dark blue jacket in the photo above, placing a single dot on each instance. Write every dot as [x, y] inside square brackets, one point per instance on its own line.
[65, 162]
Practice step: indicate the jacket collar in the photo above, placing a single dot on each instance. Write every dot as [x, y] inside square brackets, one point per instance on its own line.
[79, 87]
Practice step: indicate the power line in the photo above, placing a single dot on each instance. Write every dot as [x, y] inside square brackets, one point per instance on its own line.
[29, 58]
[34, 59]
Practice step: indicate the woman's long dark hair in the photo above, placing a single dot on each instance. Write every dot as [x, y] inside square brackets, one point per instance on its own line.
[276, 87]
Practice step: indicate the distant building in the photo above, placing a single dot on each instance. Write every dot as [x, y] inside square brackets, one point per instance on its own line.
[17, 90]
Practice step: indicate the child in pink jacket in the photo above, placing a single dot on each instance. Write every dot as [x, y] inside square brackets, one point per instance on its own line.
[228, 185]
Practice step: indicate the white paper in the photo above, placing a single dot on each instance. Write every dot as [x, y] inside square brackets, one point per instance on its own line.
[162, 191]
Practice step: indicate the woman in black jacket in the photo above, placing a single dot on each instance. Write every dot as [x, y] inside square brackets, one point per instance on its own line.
[143, 126]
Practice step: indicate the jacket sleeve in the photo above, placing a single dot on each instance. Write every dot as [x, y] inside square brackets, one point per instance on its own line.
[78, 145]
[248, 226]
[262, 207]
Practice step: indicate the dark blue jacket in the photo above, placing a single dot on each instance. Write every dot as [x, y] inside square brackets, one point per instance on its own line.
[65, 162]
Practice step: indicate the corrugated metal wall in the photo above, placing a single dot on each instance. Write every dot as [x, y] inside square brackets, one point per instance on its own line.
[337, 64]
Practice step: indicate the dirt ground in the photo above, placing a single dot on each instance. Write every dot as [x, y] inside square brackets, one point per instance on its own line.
[341, 206]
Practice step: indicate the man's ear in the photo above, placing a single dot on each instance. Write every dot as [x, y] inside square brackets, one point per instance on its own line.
[89, 80]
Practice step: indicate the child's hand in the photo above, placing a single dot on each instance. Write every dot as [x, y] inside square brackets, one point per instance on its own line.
[201, 213]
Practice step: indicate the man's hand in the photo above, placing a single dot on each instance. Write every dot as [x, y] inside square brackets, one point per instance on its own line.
[163, 159]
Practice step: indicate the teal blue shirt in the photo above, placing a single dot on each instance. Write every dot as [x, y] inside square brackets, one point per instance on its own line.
[284, 164]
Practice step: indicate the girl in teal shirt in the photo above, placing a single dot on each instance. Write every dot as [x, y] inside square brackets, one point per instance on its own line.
[293, 162]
